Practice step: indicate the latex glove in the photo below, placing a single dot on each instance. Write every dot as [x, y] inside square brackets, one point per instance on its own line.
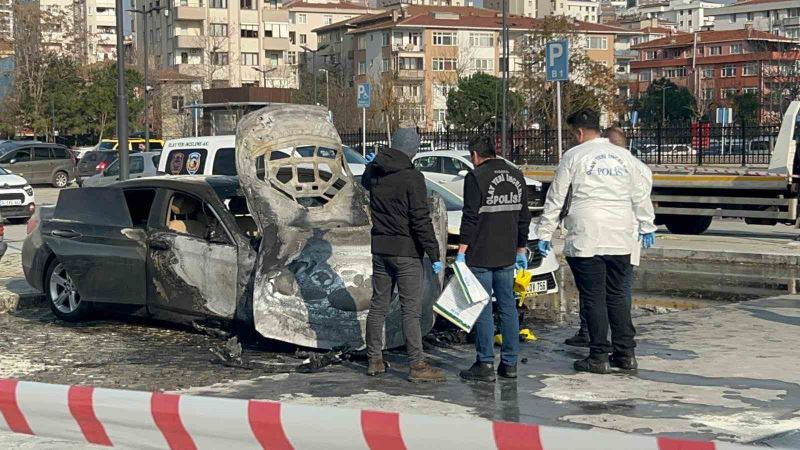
[522, 261]
[437, 267]
[460, 258]
[544, 247]
[648, 240]
[370, 157]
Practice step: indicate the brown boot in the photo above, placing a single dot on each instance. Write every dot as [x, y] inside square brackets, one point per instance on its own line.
[422, 372]
[376, 367]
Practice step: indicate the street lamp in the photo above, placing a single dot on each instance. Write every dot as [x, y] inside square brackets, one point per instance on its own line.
[264, 73]
[122, 101]
[327, 89]
[145, 12]
[663, 88]
[314, 64]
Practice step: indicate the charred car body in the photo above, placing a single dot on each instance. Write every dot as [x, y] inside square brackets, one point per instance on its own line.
[286, 247]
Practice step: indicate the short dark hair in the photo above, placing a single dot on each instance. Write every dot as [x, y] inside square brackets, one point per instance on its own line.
[586, 118]
[483, 146]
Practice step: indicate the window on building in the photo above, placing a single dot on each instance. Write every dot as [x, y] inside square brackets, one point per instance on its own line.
[481, 39]
[362, 68]
[728, 71]
[750, 69]
[271, 58]
[249, 59]
[645, 75]
[249, 31]
[440, 115]
[301, 18]
[291, 58]
[276, 30]
[327, 19]
[219, 58]
[272, 4]
[443, 64]
[597, 43]
[444, 38]
[177, 103]
[410, 63]
[708, 72]
[362, 42]
[385, 39]
[303, 39]
[184, 57]
[708, 93]
[652, 54]
[408, 92]
[219, 4]
[292, 39]
[483, 64]
[385, 65]
[736, 49]
[750, 90]
[170, 61]
[218, 29]
[247, 4]
[715, 50]
[727, 93]
[441, 90]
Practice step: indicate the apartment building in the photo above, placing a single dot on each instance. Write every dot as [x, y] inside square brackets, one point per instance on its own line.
[683, 15]
[524, 8]
[584, 10]
[780, 17]
[421, 51]
[390, 3]
[727, 63]
[6, 20]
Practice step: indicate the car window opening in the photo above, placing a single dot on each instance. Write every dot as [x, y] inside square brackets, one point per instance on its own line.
[188, 215]
[139, 203]
[244, 220]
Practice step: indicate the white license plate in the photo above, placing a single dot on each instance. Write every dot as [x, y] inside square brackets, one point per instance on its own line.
[10, 202]
[537, 287]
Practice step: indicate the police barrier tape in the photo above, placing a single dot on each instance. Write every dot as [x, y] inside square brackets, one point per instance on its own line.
[113, 417]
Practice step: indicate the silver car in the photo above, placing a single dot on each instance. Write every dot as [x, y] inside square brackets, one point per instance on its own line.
[144, 164]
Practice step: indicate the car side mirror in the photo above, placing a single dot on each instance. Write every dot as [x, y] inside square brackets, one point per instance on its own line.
[463, 173]
[13, 161]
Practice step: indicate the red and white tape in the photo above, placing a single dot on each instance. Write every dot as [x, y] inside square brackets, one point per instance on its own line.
[146, 420]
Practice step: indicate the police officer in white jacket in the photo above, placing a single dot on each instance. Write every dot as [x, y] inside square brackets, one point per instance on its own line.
[609, 196]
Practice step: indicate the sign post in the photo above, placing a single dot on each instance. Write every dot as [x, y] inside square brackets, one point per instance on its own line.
[364, 100]
[634, 119]
[725, 117]
[557, 69]
[196, 116]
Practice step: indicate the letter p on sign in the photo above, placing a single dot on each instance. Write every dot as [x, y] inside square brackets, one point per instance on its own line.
[557, 61]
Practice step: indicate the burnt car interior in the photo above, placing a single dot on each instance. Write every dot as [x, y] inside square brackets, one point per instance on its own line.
[188, 215]
[139, 201]
[238, 207]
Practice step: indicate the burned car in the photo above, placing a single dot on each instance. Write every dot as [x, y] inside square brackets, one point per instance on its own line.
[285, 247]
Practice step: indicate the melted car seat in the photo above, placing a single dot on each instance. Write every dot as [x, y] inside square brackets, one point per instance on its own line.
[182, 209]
[238, 207]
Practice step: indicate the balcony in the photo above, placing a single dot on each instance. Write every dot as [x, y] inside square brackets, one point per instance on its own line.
[189, 41]
[190, 13]
[411, 50]
[275, 15]
[411, 74]
[626, 54]
[790, 21]
[272, 43]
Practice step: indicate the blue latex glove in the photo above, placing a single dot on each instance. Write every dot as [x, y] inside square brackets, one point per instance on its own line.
[460, 258]
[544, 247]
[437, 267]
[370, 157]
[522, 261]
[648, 240]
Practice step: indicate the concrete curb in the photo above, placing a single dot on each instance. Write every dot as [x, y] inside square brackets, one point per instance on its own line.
[15, 294]
[723, 256]
[113, 417]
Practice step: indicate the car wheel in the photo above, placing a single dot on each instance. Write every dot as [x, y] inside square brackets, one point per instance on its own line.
[60, 179]
[63, 296]
[17, 220]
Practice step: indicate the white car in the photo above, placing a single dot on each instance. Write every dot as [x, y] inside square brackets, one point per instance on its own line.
[449, 167]
[542, 268]
[16, 197]
[80, 151]
[354, 159]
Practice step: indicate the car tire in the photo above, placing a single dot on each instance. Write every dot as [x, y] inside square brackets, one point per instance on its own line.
[679, 224]
[63, 296]
[17, 220]
[60, 179]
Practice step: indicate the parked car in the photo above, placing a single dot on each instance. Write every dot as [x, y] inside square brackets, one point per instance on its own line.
[39, 163]
[134, 144]
[143, 164]
[79, 152]
[542, 268]
[206, 155]
[17, 201]
[354, 159]
[284, 248]
[3, 245]
[448, 168]
[93, 163]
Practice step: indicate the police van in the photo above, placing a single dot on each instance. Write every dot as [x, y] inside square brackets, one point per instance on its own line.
[209, 155]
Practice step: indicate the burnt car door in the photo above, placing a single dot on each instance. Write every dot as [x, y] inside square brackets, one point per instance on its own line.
[192, 265]
[94, 236]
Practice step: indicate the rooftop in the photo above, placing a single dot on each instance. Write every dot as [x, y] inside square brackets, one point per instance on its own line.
[300, 4]
[707, 37]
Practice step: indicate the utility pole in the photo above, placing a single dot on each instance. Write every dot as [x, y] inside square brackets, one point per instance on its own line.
[145, 12]
[122, 100]
[314, 65]
[504, 83]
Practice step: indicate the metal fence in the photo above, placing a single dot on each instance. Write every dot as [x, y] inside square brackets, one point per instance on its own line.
[684, 144]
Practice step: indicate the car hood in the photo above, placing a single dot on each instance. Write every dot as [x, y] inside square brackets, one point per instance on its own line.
[313, 270]
[11, 180]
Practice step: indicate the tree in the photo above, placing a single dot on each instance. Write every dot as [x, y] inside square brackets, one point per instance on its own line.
[591, 84]
[473, 105]
[99, 98]
[664, 99]
[746, 107]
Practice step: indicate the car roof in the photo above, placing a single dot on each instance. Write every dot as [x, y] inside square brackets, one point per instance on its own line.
[185, 182]
[450, 153]
[227, 140]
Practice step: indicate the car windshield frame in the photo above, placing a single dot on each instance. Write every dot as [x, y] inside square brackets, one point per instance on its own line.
[106, 145]
[4, 171]
[452, 201]
[352, 156]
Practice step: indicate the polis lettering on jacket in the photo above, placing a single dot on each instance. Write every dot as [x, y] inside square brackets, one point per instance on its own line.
[510, 198]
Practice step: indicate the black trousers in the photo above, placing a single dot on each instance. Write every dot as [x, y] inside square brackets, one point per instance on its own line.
[601, 282]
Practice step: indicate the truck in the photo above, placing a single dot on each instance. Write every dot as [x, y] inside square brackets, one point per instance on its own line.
[687, 198]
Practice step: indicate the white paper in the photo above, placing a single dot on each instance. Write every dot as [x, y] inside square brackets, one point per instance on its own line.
[456, 307]
[472, 288]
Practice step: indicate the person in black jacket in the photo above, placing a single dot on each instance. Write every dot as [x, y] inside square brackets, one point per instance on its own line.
[494, 232]
[402, 233]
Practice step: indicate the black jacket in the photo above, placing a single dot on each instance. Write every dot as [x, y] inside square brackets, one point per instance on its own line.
[495, 219]
[401, 220]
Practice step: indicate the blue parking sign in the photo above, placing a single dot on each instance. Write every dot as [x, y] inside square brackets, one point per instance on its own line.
[363, 97]
[557, 61]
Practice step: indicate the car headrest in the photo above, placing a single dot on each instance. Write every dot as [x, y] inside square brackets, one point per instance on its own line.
[238, 206]
[183, 205]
